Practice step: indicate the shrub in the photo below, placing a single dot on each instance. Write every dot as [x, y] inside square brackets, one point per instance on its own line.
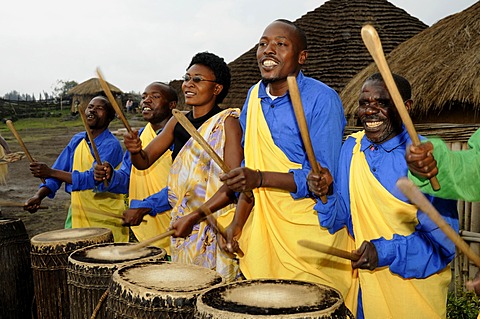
[462, 305]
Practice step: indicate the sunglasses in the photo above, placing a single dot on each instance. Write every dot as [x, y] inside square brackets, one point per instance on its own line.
[195, 79]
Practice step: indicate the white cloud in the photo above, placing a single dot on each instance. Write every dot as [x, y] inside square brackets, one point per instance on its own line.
[137, 42]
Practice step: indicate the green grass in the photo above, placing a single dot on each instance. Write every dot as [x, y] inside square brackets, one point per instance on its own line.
[65, 120]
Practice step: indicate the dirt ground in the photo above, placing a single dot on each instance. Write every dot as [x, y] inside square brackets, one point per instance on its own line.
[44, 145]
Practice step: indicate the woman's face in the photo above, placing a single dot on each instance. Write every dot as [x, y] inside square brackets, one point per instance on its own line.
[199, 87]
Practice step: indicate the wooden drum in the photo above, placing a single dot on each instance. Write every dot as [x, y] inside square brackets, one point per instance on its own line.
[269, 298]
[90, 270]
[158, 290]
[16, 288]
[49, 255]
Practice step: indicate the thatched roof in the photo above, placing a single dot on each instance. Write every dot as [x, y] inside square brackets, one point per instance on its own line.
[336, 50]
[442, 64]
[92, 87]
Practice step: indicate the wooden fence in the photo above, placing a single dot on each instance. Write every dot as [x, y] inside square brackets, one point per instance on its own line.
[12, 109]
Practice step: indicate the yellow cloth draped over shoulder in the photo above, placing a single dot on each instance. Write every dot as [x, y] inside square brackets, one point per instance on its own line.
[193, 179]
[144, 183]
[270, 235]
[87, 201]
[3, 168]
[377, 213]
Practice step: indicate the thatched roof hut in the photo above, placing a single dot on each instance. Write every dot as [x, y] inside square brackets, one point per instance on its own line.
[336, 50]
[443, 65]
[85, 91]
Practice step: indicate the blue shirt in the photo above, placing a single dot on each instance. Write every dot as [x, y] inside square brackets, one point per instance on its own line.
[120, 183]
[424, 252]
[325, 120]
[109, 149]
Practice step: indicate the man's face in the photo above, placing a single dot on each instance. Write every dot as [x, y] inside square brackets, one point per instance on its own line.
[278, 52]
[155, 107]
[97, 114]
[377, 113]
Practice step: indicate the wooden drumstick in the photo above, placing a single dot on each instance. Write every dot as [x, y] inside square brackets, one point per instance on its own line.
[182, 119]
[92, 142]
[417, 198]
[148, 242]
[328, 250]
[220, 228]
[22, 145]
[372, 42]
[13, 204]
[302, 124]
[112, 100]
[113, 215]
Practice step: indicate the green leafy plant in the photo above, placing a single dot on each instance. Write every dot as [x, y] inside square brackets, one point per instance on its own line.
[462, 305]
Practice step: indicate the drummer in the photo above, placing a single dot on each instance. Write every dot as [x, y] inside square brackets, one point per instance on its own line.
[276, 167]
[158, 101]
[404, 256]
[193, 178]
[74, 167]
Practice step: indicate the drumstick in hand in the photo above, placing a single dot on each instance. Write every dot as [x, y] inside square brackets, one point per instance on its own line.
[13, 204]
[302, 124]
[372, 42]
[182, 119]
[417, 198]
[328, 250]
[220, 228]
[22, 145]
[112, 100]
[92, 142]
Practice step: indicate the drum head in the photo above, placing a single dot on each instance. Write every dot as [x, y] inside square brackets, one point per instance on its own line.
[167, 277]
[67, 235]
[272, 297]
[113, 253]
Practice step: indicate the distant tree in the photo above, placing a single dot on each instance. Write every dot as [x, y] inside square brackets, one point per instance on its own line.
[62, 87]
[13, 95]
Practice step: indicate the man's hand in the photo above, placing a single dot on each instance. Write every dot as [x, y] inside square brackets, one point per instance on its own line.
[134, 216]
[230, 244]
[40, 169]
[368, 256]
[420, 160]
[32, 204]
[474, 284]
[132, 142]
[320, 184]
[242, 179]
[102, 172]
[184, 225]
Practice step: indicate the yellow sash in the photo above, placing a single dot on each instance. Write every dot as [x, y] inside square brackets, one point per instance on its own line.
[377, 213]
[144, 183]
[270, 235]
[87, 200]
[3, 168]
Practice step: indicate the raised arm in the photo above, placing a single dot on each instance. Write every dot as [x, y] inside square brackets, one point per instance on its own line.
[144, 158]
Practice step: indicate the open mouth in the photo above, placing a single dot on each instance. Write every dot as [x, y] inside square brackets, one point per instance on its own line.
[373, 124]
[269, 64]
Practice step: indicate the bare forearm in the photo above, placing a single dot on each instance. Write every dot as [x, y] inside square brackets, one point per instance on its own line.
[245, 205]
[283, 181]
[140, 160]
[61, 175]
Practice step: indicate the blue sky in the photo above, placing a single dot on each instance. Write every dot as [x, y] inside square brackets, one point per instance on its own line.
[136, 42]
